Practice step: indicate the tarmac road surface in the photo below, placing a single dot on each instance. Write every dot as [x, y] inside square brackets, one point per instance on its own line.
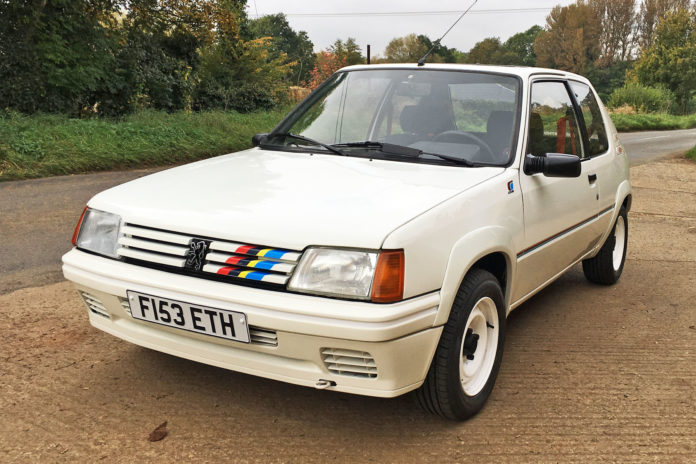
[645, 146]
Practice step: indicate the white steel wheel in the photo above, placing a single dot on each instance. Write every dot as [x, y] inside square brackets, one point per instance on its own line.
[479, 346]
[619, 243]
[468, 356]
[606, 267]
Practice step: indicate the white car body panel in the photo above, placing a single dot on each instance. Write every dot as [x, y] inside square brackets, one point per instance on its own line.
[445, 218]
[288, 200]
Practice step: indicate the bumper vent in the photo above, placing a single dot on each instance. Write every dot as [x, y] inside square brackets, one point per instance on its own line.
[349, 362]
[263, 337]
[95, 305]
[125, 305]
[205, 257]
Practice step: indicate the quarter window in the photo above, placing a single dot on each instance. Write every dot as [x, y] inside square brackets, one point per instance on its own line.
[553, 126]
[596, 132]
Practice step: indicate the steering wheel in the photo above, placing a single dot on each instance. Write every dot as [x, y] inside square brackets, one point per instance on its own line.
[451, 136]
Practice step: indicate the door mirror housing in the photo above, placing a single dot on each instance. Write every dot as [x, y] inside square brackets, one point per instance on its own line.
[258, 139]
[553, 165]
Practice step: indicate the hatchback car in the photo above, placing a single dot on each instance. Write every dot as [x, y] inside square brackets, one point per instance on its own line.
[376, 240]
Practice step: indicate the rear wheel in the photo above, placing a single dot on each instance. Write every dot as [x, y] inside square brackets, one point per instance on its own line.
[607, 266]
[466, 362]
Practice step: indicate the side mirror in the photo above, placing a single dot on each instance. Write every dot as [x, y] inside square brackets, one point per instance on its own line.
[258, 139]
[553, 165]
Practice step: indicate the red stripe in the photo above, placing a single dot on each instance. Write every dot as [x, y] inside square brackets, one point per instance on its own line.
[244, 249]
[234, 259]
[226, 270]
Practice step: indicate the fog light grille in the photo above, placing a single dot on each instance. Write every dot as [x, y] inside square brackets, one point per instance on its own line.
[264, 337]
[348, 362]
[125, 305]
[95, 305]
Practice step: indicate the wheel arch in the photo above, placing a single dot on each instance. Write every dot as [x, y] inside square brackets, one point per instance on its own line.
[624, 198]
[489, 249]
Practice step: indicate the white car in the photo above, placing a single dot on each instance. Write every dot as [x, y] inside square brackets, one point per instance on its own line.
[376, 240]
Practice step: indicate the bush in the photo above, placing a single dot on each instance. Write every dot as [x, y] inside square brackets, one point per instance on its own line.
[642, 98]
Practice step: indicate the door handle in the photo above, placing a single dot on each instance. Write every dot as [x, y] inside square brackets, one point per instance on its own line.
[592, 178]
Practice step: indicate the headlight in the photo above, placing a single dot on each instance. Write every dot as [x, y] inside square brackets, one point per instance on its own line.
[354, 274]
[98, 232]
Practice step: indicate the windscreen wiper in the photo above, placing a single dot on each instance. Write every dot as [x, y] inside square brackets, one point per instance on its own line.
[308, 140]
[401, 150]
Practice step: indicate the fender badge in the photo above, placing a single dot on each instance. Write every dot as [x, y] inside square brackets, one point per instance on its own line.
[511, 187]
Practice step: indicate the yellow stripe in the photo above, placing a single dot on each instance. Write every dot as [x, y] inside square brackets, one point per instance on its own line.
[243, 274]
[253, 263]
[264, 251]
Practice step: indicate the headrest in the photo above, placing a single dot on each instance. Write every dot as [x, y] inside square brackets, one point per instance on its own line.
[500, 122]
[409, 119]
[426, 118]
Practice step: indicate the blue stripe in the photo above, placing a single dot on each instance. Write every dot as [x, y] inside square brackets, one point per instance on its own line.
[275, 254]
[267, 265]
[256, 275]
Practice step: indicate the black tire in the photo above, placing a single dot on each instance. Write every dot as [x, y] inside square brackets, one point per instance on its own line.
[443, 393]
[601, 269]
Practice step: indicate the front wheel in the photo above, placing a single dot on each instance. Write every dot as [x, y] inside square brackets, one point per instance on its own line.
[607, 266]
[466, 362]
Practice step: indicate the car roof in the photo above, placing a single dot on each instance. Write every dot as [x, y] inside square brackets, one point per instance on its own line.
[523, 71]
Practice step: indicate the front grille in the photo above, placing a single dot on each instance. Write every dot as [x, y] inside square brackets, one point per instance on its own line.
[348, 362]
[206, 257]
[95, 305]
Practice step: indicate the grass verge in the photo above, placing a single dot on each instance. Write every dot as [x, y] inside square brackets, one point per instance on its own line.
[652, 121]
[691, 154]
[50, 145]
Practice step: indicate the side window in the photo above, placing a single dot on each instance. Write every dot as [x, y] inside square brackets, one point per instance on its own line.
[553, 127]
[596, 132]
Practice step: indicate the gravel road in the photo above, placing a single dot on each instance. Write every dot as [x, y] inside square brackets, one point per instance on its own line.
[590, 373]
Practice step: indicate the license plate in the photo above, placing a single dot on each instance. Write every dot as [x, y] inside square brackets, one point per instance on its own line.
[215, 322]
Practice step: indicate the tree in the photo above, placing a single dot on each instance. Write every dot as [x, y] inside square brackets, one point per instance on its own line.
[411, 48]
[408, 49]
[490, 51]
[616, 38]
[327, 63]
[296, 45]
[570, 40]
[671, 59]
[440, 53]
[651, 11]
[522, 46]
[55, 55]
[347, 52]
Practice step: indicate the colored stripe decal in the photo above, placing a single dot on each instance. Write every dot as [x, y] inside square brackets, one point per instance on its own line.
[242, 274]
[273, 254]
[563, 232]
[244, 249]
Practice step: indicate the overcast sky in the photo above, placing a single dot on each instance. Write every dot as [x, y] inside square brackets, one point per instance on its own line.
[370, 27]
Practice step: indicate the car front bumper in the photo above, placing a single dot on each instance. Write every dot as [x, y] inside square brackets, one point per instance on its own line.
[399, 338]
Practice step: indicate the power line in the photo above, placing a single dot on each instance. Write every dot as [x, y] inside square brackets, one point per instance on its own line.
[416, 13]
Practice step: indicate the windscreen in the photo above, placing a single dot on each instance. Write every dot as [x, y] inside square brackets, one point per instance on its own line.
[470, 116]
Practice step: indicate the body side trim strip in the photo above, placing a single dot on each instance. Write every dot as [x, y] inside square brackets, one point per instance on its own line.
[563, 232]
